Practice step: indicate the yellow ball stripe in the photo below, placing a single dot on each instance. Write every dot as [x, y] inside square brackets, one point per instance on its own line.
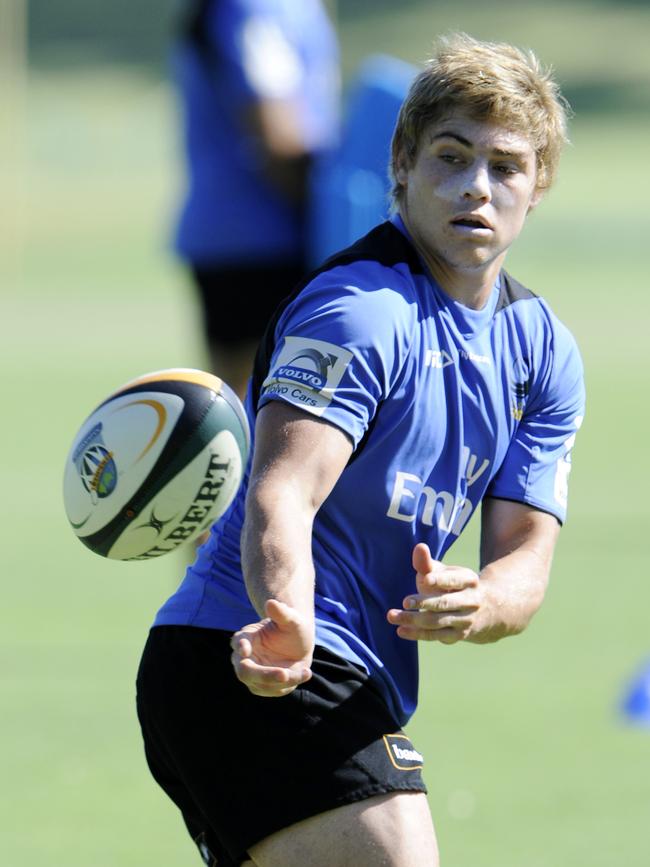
[176, 374]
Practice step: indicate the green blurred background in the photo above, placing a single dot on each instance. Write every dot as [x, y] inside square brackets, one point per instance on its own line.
[530, 762]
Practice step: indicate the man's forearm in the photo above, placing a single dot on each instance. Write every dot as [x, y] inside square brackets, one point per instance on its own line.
[514, 588]
[276, 548]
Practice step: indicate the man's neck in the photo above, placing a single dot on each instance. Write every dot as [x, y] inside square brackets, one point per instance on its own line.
[470, 286]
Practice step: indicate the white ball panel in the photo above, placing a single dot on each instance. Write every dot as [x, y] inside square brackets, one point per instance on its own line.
[130, 431]
[186, 506]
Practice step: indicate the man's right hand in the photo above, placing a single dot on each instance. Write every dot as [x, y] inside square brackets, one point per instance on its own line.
[273, 656]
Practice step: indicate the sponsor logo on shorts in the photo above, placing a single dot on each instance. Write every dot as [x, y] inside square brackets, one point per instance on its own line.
[307, 372]
[95, 464]
[402, 753]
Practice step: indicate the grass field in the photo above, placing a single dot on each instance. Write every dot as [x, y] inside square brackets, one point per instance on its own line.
[529, 762]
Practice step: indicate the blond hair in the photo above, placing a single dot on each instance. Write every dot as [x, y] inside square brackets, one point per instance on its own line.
[488, 81]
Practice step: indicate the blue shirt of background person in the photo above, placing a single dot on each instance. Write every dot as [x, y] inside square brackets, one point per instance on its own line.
[250, 52]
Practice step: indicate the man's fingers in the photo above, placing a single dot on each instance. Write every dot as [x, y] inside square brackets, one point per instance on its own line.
[280, 613]
[253, 672]
[444, 636]
[266, 680]
[444, 604]
[270, 692]
[445, 579]
[432, 620]
[452, 601]
[422, 560]
[432, 575]
[427, 570]
[251, 669]
[272, 657]
[241, 645]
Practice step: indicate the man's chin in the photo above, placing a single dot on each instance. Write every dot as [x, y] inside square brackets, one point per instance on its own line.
[476, 263]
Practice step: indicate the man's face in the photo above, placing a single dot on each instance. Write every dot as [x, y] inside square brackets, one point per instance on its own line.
[468, 192]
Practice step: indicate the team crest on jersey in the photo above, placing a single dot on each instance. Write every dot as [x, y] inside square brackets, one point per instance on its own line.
[95, 464]
[307, 372]
[521, 377]
[402, 753]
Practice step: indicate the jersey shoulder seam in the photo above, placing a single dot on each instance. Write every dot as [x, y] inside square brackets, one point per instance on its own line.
[511, 291]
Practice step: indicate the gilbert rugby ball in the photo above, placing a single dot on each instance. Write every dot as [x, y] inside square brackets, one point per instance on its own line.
[155, 464]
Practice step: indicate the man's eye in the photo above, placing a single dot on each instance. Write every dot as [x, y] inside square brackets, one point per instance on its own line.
[506, 170]
[450, 158]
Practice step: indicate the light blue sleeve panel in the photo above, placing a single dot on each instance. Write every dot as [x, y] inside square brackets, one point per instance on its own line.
[258, 58]
[341, 344]
[537, 464]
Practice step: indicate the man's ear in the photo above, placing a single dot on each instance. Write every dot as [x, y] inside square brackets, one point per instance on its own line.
[401, 169]
[536, 198]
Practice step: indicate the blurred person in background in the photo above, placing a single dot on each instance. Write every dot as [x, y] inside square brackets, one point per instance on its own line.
[259, 86]
[405, 384]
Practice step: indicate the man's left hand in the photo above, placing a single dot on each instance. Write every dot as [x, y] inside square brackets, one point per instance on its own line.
[446, 605]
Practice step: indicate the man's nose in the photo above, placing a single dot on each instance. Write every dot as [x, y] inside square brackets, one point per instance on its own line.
[476, 182]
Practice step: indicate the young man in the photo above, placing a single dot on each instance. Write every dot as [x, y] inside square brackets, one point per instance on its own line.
[406, 382]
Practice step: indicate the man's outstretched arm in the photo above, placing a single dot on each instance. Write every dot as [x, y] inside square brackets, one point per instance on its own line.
[298, 459]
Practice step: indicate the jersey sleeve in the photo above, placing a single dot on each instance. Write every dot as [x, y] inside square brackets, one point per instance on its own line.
[340, 347]
[257, 57]
[537, 464]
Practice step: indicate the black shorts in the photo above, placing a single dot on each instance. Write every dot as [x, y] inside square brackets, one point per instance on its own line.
[241, 767]
[238, 302]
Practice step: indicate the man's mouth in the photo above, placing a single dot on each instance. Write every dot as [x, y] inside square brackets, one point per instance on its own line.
[472, 222]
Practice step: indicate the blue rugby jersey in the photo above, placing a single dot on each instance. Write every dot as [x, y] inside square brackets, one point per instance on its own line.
[445, 405]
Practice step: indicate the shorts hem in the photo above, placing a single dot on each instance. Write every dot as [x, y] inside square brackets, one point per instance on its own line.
[371, 791]
[361, 794]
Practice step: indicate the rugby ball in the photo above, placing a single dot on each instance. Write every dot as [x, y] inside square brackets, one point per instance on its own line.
[155, 464]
